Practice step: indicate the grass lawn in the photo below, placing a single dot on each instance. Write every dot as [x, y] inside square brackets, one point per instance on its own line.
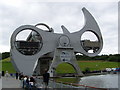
[93, 65]
[67, 68]
[97, 65]
[7, 65]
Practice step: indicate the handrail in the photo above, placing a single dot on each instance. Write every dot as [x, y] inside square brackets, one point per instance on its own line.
[73, 84]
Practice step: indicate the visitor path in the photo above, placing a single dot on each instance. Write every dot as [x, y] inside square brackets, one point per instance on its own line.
[0, 83]
[9, 82]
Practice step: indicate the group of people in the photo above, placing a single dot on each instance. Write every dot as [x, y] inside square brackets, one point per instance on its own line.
[30, 82]
[26, 81]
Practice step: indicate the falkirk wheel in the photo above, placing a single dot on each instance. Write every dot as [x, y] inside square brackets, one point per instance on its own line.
[46, 49]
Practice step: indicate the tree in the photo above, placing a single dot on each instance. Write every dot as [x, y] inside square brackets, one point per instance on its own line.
[111, 57]
[5, 55]
[0, 56]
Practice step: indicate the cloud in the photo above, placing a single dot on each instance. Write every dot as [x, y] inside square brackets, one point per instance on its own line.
[55, 14]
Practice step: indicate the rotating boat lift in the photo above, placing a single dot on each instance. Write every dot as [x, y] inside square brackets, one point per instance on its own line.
[46, 49]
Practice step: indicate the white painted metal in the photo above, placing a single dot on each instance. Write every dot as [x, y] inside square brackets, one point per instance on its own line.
[51, 41]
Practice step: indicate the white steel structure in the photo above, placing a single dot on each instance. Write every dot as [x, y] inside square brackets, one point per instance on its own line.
[46, 49]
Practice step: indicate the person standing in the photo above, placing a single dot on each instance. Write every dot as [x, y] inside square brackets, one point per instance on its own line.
[21, 75]
[25, 82]
[7, 74]
[46, 78]
[0, 74]
[16, 75]
[32, 82]
[21, 78]
[3, 73]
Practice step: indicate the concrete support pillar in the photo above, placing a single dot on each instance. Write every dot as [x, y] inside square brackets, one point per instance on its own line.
[64, 54]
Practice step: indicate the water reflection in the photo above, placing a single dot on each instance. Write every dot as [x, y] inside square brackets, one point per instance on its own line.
[101, 81]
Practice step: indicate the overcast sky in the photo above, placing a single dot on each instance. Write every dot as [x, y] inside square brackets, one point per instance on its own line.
[14, 13]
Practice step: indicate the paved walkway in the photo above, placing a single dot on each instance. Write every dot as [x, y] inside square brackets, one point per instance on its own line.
[0, 83]
[9, 82]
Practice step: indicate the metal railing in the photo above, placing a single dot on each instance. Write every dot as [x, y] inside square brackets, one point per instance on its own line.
[61, 85]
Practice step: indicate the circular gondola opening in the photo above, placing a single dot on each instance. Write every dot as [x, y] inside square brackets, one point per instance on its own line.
[90, 42]
[28, 42]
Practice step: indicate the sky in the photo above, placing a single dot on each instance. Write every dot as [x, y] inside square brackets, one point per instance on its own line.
[14, 13]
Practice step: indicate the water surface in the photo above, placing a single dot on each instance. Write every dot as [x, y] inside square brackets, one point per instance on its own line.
[101, 81]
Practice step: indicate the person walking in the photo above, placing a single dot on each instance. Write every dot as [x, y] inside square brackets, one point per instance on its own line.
[46, 78]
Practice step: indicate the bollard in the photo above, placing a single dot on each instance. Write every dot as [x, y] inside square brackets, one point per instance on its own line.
[54, 85]
[61, 85]
[85, 87]
[71, 86]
